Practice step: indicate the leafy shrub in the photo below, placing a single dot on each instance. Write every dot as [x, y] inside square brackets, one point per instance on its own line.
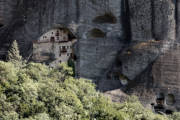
[37, 92]
[175, 116]
[13, 53]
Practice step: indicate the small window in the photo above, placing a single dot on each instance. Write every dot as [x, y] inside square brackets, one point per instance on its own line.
[52, 39]
[115, 77]
[57, 33]
[170, 99]
[160, 99]
[161, 96]
[63, 49]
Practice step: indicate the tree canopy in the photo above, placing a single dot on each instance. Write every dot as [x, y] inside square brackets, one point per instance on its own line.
[13, 53]
[34, 91]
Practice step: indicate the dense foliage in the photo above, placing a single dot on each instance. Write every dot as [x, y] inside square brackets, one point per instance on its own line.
[37, 92]
[13, 53]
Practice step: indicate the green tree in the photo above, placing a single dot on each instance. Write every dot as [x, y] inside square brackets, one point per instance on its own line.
[13, 53]
[39, 92]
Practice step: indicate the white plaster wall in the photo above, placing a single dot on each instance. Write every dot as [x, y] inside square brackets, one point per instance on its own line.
[38, 49]
[54, 48]
[52, 33]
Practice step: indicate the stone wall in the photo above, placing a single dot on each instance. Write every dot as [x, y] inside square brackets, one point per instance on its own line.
[52, 53]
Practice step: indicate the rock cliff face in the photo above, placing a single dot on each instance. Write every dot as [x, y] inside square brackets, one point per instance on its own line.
[122, 44]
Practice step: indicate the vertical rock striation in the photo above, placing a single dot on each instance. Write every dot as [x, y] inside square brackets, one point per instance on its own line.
[119, 41]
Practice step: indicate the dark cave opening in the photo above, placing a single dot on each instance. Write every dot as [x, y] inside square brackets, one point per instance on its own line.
[126, 21]
[1, 25]
[106, 18]
[163, 103]
[97, 33]
[170, 99]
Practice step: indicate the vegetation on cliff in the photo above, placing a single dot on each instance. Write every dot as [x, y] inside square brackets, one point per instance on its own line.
[13, 53]
[32, 91]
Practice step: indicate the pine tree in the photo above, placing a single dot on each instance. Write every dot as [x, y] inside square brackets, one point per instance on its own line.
[13, 53]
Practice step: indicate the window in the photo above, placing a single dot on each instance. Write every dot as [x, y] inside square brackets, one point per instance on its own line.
[57, 33]
[52, 39]
[63, 49]
[69, 54]
[170, 99]
[160, 99]
[116, 77]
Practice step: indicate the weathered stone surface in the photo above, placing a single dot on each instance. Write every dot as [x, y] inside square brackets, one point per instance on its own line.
[116, 95]
[141, 19]
[164, 22]
[132, 36]
[138, 57]
[166, 71]
[95, 53]
[100, 51]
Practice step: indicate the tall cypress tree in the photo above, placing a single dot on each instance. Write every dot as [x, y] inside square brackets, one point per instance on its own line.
[13, 53]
